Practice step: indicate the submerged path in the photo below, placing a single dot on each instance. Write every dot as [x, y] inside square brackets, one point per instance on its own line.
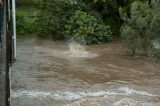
[51, 73]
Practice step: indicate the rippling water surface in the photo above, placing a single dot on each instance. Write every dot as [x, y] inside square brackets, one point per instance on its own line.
[51, 73]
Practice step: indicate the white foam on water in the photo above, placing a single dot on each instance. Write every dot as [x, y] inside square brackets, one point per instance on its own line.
[129, 91]
[59, 95]
[30, 94]
[68, 95]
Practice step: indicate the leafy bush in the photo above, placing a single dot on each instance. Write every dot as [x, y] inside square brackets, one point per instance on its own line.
[135, 30]
[51, 16]
[53, 21]
[87, 29]
[30, 26]
[140, 29]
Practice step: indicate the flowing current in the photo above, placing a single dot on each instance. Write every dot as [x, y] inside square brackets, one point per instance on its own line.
[49, 73]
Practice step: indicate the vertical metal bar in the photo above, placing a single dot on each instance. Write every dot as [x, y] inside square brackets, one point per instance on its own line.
[9, 8]
[14, 27]
[7, 54]
[1, 22]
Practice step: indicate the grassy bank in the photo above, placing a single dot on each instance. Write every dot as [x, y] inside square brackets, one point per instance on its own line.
[25, 17]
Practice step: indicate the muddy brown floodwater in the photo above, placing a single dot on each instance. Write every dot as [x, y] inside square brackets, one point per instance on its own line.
[49, 73]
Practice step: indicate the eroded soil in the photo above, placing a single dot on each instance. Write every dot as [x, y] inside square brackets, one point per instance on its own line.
[51, 73]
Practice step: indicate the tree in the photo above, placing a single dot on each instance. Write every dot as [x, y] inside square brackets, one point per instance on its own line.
[87, 29]
[51, 19]
[140, 30]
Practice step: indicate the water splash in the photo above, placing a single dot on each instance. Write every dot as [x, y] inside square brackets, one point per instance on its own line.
[77, 50]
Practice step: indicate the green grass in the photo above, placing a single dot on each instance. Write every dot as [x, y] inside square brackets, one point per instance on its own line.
[25, 8]
[25, 11]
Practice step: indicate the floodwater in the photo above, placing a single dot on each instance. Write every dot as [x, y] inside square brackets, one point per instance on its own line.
[51, 73]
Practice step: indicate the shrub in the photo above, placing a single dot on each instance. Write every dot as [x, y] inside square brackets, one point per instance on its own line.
[51, 16]
[53, 21]
[135, 30]
[87, 29]
[140, 30]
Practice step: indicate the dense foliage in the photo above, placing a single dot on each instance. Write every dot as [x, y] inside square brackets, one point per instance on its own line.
[140, 30]
[96, 21]
[51, 17]
[78, 22]
[109, 11]
[87, 29]
[106, 10]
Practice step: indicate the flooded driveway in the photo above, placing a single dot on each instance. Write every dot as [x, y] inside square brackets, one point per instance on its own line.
[51, 73]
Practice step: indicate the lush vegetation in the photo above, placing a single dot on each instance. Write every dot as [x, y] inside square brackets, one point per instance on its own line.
[87, 29]
[95, 22]
[141, 29]
[79, 22]
[25, 17]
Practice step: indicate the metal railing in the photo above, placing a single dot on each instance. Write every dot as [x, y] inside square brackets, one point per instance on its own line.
[6, 48]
